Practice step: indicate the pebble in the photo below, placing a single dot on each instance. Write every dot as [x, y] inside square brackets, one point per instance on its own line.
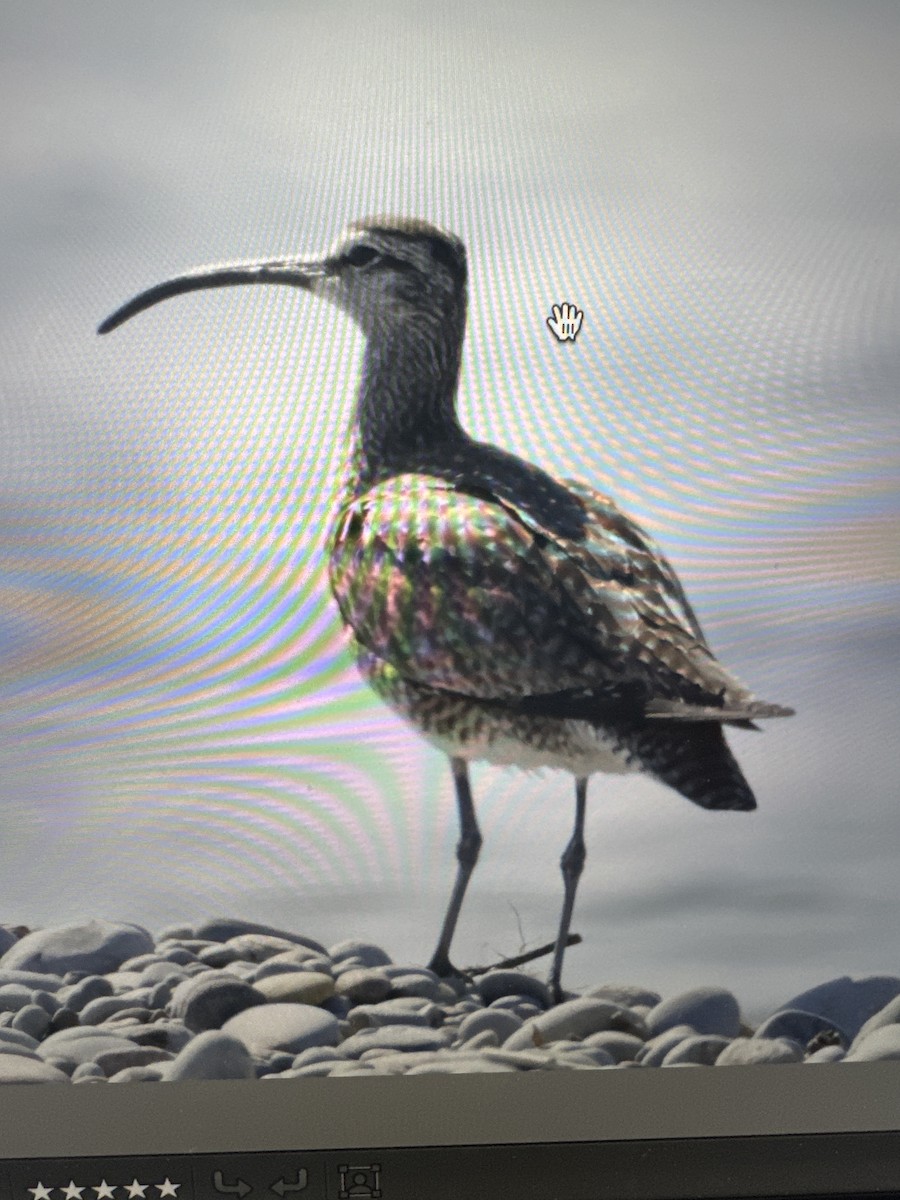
[755, 1050]
[880, 1044]
[100, 1001]
[301, 987]
[364, 985]
[847, 1002]
[270, 1027]
[207, 1001]
[707, 1010]
[800, 1026]
[95, 946]
[494, 984]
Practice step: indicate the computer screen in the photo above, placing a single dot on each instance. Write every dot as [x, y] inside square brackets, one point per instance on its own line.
[449, 666]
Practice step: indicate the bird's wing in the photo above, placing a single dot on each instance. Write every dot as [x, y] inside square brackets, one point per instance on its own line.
[462, 592]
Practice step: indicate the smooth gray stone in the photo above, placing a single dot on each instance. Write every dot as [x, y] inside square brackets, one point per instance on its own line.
[82, 1044]
[296, 987]
[708, 1010]
[259, 947]
[209, 1000]
[174, 933]
[572, 1019]
[415, 983]
[702, 1050]
[15, 1069]
[624, 1047]
[129, 1016]
[161, 971]
[180, 957]
[315, 1070]
[464, 1065]
[802, 1027]
[847, 1002]
[393, 1063]
[128, 983]
[161, 994]
[48, 1002]
[316, 1054]
[223, 929]
[95, 1012]
[141, 962]
[32, 1019]
[299, 958]
[30, 979]
[523, 1007]
[96, 946]
[625, 994]
[368, 953]
[489, 1020]
[220, 955]
[62, 1019]
[584, 1058]
[494, 984]
[211, 1055]
[17, 1037]
[363, 985]
[656, 1049]
[411, 1038]
[753, 1050]
[88, 1070]
[828, 1054]
[522, 1060]
[270, 1027]
[111, 1062]
[338, 1006]
[399, 1010]
[165, 1035]
[881, 1043]
[14, 996]
[80, 994]
[479, 1041]
[393, 969]
[889, 1015]
[16, 1048]
[149, 1074]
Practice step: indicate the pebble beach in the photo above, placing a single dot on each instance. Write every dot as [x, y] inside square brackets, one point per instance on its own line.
[100, 1001]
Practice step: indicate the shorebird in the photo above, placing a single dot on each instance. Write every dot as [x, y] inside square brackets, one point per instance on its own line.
[510, 616]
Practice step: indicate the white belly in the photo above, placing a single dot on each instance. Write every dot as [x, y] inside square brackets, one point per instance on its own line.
[578, 748]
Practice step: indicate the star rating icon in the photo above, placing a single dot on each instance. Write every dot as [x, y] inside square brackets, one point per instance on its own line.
[168, 1190]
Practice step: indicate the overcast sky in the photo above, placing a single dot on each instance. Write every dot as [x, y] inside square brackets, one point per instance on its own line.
[717, 186]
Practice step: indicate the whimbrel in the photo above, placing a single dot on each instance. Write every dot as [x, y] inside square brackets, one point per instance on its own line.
[510, 616]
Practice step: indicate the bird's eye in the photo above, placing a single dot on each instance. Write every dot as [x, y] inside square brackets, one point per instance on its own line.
[361, 256]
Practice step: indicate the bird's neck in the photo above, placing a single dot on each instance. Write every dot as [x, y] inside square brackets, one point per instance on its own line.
[407, 396]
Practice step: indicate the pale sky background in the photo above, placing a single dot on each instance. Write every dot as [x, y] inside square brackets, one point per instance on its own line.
[717, 186]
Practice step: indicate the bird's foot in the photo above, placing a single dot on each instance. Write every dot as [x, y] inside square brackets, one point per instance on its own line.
[448, 973]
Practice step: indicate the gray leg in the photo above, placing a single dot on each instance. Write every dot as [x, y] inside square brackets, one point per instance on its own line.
[572, 863]
[467, 855]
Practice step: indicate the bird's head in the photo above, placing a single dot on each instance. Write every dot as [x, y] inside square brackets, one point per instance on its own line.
[382, 271]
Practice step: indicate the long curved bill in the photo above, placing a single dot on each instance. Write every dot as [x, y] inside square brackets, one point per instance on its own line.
[290, 272]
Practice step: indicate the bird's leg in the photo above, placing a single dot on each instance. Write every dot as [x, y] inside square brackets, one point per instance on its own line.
[467, 855]
[572, 863]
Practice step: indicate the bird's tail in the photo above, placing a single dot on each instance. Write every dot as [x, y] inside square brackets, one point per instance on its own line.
[695, 760]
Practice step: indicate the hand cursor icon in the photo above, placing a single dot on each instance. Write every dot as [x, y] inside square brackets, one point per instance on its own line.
[565, 322]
